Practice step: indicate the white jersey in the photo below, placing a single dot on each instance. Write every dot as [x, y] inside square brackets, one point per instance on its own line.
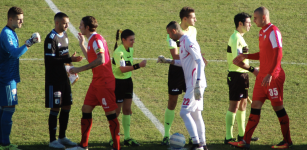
[189, 52]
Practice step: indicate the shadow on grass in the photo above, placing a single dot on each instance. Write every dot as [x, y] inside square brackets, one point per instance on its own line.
[150, 145]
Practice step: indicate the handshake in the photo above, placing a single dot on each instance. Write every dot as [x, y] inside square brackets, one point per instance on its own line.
[35, 38]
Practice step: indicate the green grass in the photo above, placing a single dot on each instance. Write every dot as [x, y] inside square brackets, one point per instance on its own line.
[148, 20]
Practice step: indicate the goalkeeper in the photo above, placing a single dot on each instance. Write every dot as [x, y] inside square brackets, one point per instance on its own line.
[9, 72]
[193, 68]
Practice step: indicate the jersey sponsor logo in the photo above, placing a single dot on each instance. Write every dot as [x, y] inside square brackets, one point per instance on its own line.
[64, 52]
[49, 45]
[52, 35]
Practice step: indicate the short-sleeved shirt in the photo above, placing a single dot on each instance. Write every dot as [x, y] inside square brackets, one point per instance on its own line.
[192, 32]
[56, 55]
[102, 74]
[122, 57]
[236, 46]
[9, 56]
[189, 53]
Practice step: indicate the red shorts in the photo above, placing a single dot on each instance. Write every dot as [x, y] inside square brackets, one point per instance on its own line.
[274, 92]
[101, 96]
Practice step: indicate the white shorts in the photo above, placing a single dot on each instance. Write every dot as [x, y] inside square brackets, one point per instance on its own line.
[189, 103]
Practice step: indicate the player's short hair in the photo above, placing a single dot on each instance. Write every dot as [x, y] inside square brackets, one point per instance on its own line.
[91, 22]
[173, 25]
[13, 12]
[185, 12]
[262, 10]
[241, 17]
[60, 15]
[124, 35]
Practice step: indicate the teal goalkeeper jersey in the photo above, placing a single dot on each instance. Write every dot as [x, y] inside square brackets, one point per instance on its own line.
[236, 46]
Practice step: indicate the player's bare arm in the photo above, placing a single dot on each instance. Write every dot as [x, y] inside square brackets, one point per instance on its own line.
[98, 61]
[82, 46]
[174, 53]
[251, 69]
[124, 69]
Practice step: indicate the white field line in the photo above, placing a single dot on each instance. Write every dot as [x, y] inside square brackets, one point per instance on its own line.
[136, 100]
[254, 62]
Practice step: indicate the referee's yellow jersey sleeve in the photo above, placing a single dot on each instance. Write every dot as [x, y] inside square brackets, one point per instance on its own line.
[170, 42]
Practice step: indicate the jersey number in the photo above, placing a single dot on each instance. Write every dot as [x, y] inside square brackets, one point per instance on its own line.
[104, 102]
[186, 101]
[273, 92]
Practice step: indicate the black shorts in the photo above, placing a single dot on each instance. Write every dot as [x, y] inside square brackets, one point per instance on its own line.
[66, 96]
[238, 84]
[123, 89]
[176, 81]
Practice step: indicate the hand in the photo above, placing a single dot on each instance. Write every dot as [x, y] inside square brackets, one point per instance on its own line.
[143, 63]
[75, 58]
[197, 90]
[162, 59]
[238, 59]
[267, 80]
[35, 38]
[256, 71]
[204, 59]
[74, 70]
[81, 39]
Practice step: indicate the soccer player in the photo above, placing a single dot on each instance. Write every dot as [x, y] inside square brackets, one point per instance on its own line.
[176, 83]
[237, 79]
[57, 85]
[269, 81]
[122, 65]
[102, 87]
[9, 72]
[193, 67]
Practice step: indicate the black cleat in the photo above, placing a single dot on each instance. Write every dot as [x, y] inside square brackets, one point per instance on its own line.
[240, 138]
[230, 140]
[131, 142]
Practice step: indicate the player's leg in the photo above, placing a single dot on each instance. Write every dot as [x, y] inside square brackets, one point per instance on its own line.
[241, 115]
[64, 115]
[201, 130]
[86, 124]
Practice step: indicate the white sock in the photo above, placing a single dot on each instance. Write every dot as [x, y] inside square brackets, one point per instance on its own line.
[190, 125]
[201, 130]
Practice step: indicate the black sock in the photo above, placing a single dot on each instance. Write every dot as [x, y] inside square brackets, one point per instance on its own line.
[64, 116]
[52, 122]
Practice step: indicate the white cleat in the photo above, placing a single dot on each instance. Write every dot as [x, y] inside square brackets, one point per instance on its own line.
[66, 141]
[56, 144]
[77, 148]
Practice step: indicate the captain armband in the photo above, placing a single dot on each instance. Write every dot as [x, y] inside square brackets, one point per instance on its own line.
[136, 66]
[251, 69]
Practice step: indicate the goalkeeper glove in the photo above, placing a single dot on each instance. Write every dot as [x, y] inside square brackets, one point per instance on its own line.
[35, 38]
[197, 90]
[162, 59]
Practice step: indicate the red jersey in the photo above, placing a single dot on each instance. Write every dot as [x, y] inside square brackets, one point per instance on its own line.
[102, 75]
[270, 46]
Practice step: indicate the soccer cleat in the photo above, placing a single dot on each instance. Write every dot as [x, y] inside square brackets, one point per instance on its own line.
[230, 140]
[9, 147]
[196, 147]
[240, 138]
[131, 142]
[56, 144]
[282, 145]
[77, 148]
[165, 141]
[111, 142]
[240, 144]
[66, 141]
[205, 148]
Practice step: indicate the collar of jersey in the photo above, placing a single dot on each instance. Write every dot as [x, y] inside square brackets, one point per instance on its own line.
[58, 34]
[181, 38]
[266, 27]
[9, 28]
[92, 35]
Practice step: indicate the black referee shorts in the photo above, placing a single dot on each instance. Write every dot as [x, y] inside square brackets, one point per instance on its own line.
[123, 89]
[66, 96]
[176, 81]
[238, 85]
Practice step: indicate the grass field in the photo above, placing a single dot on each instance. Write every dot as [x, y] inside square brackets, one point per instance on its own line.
[148, 20]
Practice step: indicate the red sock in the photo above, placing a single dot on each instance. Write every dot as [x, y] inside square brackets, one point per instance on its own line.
[114, 128]
[86, 125]
[284, 125]
[253, 121]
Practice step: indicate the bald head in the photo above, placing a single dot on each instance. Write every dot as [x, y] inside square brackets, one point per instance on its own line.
[262, 11]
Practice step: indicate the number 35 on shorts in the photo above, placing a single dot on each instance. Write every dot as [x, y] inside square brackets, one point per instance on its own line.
[273, 92]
